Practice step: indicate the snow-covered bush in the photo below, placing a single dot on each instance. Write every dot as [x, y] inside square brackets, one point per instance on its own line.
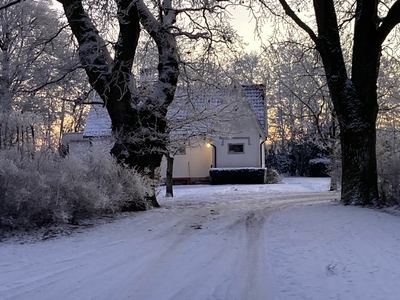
[283, 163]
[273, 176]
[46, 189]
[388, 159]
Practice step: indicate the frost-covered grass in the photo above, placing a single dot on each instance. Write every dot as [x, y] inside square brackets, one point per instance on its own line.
[47, 189]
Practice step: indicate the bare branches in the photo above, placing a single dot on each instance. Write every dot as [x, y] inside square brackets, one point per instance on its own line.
[53, 81]
[296, 19]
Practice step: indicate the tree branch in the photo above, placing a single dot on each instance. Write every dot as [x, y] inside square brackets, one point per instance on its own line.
[389, 22]
[56, 80]
[93, 52]
[125, 48]
[147, 19]
[128, 19]
[297, 20]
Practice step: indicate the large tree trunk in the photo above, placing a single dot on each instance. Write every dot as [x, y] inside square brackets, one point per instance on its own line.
[5, 85]
[359, 170]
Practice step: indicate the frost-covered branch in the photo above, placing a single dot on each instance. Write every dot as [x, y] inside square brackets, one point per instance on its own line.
[296, 19]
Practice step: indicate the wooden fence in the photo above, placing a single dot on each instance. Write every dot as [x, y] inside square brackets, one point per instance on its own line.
[20, 130]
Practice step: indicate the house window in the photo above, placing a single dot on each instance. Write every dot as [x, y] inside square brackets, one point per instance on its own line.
[180, 151]
[235, 148]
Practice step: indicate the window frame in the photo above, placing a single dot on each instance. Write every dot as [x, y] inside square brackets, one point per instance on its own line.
[236, 145]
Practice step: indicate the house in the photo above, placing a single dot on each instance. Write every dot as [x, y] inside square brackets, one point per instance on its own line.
[222, 128]
[233, 138]
[96, 135]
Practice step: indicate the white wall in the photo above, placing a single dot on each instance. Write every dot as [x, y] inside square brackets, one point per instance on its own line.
[78, 146]
[196, 162]
[250, 138]
[251, 156]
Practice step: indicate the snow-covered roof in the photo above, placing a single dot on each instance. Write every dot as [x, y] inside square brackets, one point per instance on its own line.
[255, 95]
[98, 122]
[213, 100]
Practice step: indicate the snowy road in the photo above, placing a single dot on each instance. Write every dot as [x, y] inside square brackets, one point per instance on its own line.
[227, 242]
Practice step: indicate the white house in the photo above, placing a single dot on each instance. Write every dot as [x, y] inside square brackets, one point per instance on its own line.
[227, 131]
[236, 142]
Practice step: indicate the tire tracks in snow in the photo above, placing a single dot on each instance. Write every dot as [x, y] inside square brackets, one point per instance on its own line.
[215, 249]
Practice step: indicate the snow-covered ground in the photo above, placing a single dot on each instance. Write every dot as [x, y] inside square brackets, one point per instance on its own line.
[250, 242]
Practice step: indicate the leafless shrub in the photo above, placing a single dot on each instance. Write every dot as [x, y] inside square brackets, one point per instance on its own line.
[273, 176]
[388, 158]
[46, 189]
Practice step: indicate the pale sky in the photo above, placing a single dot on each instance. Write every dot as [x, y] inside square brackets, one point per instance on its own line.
[245, 24]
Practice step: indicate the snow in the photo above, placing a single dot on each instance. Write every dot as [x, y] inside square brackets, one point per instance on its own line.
[282, 241]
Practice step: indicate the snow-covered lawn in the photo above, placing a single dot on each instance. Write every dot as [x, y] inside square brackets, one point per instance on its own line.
[283, 241]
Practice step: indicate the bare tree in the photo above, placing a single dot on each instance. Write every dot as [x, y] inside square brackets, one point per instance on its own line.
[139, 122]
[354, 93]
[9, 4]
[39, 67]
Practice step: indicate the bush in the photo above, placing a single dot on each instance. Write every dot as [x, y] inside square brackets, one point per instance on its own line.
[283, 163]
[388, 161]
[319, 167]
[238, 175]
[273, 176]
[46, 189]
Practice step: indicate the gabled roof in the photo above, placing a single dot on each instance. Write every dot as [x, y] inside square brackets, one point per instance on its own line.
[224, 101]
[98, 122]
[255, 95]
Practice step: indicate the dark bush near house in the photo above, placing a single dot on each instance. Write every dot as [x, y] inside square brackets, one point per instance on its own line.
[282, 163]
[238, 175]
[318, 167]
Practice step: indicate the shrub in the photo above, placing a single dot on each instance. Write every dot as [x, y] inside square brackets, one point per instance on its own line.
[273, 176]
[46, 189]
[319, 167]
[388, 161]
[283, 163]
[238, 175]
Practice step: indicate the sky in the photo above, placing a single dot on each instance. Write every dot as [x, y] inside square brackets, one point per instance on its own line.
[244, 24]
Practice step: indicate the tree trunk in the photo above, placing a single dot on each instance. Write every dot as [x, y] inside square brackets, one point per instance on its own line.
[359, 175]
[5, 84]
[169, 177]
[335, 165]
